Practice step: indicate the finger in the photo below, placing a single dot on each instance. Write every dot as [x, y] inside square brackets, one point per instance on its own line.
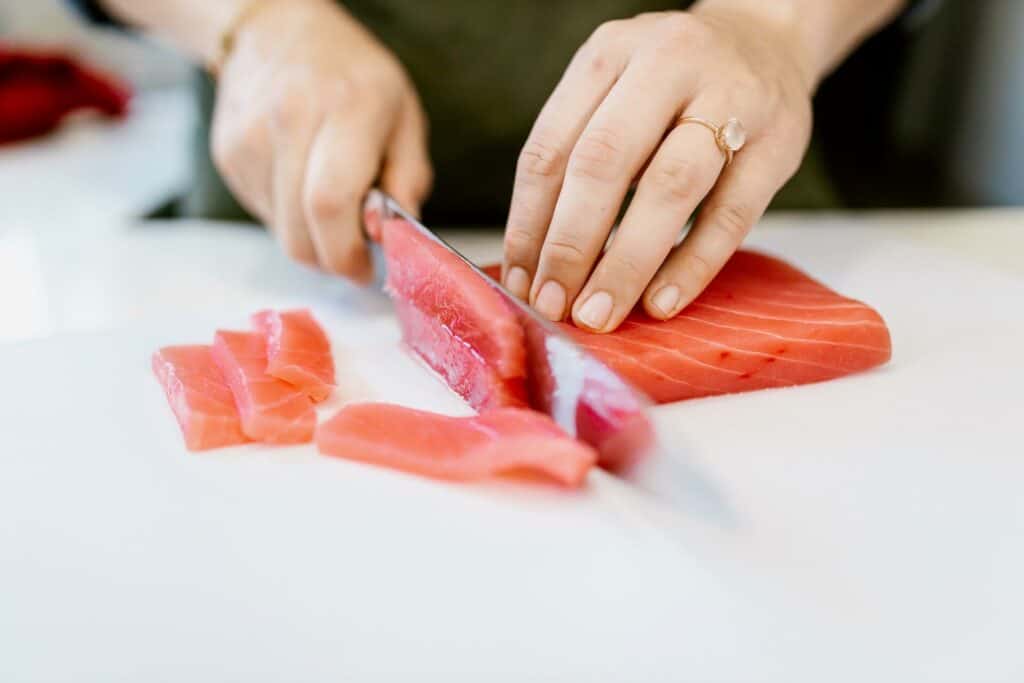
[241, 154]
[541, 166]
[292, 138]
[611, 150]
[240, 138]
[730, 211]
[343, 164]
[681, 173]
[407, 175]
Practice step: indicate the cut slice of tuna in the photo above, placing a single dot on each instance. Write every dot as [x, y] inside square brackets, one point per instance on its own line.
[461, 327]
[272, 410]
[459, 448]
[298, 351]
[199, 397]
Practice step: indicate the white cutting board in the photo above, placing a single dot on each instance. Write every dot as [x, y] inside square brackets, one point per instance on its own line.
[866, 529]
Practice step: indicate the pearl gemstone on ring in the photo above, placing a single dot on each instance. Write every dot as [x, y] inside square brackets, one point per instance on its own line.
[734, 135]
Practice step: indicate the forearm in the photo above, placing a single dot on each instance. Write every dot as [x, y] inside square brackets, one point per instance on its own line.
[196, 26]
[822, 33]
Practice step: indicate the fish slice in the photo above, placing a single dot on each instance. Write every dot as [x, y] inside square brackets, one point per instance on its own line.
[582, 395]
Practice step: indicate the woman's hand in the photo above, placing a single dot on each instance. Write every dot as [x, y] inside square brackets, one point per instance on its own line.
[311, 111]
[612, 121]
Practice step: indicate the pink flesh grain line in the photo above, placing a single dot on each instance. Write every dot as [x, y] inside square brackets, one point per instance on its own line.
[800, 340]
[748, 314]
[648, 368]
[676, 352]
[852, 305]
[817, 293]
[739, 350]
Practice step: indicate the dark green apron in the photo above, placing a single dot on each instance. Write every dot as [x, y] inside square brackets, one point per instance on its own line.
[483, 71]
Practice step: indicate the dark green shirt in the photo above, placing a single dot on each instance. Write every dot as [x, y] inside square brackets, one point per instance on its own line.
[483, 71]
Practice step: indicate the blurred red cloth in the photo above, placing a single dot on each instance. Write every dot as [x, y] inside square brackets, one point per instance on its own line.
[37, 90]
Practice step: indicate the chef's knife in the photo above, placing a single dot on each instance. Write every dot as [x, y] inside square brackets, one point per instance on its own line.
[582, 394]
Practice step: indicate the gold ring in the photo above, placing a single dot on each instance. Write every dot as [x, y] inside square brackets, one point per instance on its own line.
[730, 137]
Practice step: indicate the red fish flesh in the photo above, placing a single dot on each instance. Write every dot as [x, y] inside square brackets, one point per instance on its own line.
[491, 355]
[761, 323]
[466, 448]
[272, 411]
[298, 351]
[199, 397]
[460, 326]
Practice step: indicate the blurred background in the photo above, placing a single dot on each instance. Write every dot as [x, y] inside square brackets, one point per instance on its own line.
[928, 113]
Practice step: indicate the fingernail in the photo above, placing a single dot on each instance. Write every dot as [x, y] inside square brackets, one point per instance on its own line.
[595, 311]
[517, 281]
[666, 299]
[551, 301]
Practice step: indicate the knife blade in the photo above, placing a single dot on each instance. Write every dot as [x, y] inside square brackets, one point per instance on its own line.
[580, 393]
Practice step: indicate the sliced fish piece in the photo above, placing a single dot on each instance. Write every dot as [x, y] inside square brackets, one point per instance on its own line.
[271, 410]
[199, 397]
[461, 327]
[298, 351]
[457, 448]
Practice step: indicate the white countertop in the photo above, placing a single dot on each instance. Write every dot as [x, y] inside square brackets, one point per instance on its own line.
[870, 528]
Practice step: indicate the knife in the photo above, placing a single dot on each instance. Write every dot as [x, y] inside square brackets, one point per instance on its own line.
[581, 394]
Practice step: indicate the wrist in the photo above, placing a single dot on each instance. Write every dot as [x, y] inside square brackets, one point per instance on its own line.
[816, 35]
[245, 14]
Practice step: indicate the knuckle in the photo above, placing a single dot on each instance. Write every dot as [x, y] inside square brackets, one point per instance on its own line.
[594, 58]
[602, 51]
[346, 259]
[747, 87]
[343, 93]
[803, 122]
[697, 268]
[222, 152]
[599, 155]
[608, 32]
[324, 205]
[733, 220]
[238, 158]
[227, 144]
[564, 254]
[519, 242]
[792, 162]
[539, 159]
[424, 181]
[297, 249]
[675, 179]
[290, 108]
[684, 28]
[624, 268]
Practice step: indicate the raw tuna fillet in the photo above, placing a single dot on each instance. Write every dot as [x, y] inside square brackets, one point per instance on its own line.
[272, 411]
[298, 351]
[460, 326]
[761, 323]
[466, 448]
[199, 397]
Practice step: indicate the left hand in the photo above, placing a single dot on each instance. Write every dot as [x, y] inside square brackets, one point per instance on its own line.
[612, 120]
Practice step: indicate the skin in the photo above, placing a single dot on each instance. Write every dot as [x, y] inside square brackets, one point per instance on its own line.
[611, 124]
[312, 111]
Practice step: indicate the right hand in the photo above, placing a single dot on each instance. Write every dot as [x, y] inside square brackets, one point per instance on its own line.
[311, 112]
